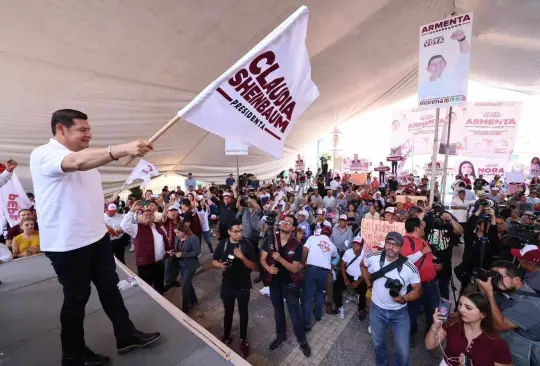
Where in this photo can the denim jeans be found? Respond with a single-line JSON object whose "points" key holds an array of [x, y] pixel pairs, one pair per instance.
{"points": [[206, 236], [379, 319], [430, 299], [315, 277], [188, 291], [444, 287], [291, 293]]}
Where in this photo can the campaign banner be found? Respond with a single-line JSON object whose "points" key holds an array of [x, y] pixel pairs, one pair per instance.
{"points": [[13, 198], [260, 98], [489, 168], [234, 146], [443, 62], [358, 178], [439, 168], [374, 231], [355, 164], [413, 131], [484, 129], [299, 164]]}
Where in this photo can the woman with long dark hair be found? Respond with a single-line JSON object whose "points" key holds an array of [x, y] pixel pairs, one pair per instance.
{"points": [[187, 250], [467, 168], [535, 166], [469, 334]]}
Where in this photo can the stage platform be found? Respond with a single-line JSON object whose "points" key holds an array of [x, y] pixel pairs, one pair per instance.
{"points": [[30, 302]]}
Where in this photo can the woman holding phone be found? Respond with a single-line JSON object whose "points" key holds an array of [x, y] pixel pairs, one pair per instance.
{"points": [[187, 249], [470, 336]]}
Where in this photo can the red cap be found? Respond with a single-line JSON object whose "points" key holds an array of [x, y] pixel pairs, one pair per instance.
{"points": [[326, 230], [530, 253]]}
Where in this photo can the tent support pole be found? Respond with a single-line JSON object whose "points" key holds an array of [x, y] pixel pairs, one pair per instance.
{"points": [[238, 172], [445, 167], [434, 157]]}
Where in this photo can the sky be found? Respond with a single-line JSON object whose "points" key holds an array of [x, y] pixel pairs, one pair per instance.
{"points": [[374, 142]]}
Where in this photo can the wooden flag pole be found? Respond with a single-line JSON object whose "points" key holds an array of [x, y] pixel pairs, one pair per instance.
{"points": [[158, 134]]}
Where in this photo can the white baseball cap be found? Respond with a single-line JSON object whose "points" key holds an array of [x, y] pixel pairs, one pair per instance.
{"points": [[226, 194], [392, 210], [343, 217], [111, 207], [358, 239], [302, 212]]}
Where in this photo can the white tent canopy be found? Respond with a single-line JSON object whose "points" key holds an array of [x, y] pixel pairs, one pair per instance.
{"points": [[132, 65]]}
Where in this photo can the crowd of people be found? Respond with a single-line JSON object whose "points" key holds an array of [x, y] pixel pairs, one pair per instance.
{"points": [[302, 233]]}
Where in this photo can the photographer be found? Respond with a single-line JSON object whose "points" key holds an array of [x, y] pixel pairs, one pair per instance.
{"points": [[418, 252], [236, 258], [388, 274], [442, 232], [529, 260], [481, 239], [250, 213], [516, 314], [281, 258]]}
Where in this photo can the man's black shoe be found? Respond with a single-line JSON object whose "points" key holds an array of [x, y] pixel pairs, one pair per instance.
{"points": [[137, 340], [307, 329], [277, 342], [306, 350], [89, 359]]}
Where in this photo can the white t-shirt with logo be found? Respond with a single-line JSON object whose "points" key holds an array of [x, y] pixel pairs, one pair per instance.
{"points": [[460, 215], [69, 205], [114, 222], [321, 251], [354, 268], [381, 295]]}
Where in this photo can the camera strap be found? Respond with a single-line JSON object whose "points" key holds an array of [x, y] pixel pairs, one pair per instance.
{"points": [[224, 256], [398, 263], [352, 261], [413, 246]]}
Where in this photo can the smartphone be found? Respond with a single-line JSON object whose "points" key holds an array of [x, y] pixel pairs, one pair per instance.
{"points": [[444, 309], [467, 361]]}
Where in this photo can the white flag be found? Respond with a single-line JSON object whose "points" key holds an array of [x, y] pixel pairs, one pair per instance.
{"points": [[262, 95], [235, 146], [13, 198], [145, 171]]}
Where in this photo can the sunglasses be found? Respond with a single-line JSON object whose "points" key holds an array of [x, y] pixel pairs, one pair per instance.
{"points": [[285, 222]]}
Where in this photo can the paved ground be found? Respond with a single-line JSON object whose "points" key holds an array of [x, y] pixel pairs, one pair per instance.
{"points": [[332, 340]]}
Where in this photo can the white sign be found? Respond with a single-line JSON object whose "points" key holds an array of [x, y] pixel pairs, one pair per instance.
{"points": [[484, 129], [473, 167], [145, 171], [260, 98], [235, 147], [443, 63], [13, 198]]}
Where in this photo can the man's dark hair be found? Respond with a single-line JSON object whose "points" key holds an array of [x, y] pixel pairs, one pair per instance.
{"points": [[25, 209], [65, 118], [435, 57], [235, 222], [512, 270], [461, 191], [415, 210], [412, 223], [295, 221]]}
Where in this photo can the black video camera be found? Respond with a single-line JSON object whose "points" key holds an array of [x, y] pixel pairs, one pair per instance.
{"points": [[394, 286], [270, 217], [483, 275], [526, 234]]}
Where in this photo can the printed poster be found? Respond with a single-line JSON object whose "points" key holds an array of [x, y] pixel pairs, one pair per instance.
{"points": [[443, 63]]}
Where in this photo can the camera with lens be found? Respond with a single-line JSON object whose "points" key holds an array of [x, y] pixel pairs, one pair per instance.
{"points": [[394, 286], [270, 217], [483, 275], [437, 213], [485, 204], [526, 234]]}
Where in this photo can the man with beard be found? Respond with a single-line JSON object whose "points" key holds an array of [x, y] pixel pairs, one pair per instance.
{"points": [[389, 297], [516, 314], [282, 260], [442, 231]]}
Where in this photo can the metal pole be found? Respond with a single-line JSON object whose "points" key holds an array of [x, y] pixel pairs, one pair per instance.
{"points": [[445, 166], [318, 154], [238, 173], [412, 156], [434, 157]]}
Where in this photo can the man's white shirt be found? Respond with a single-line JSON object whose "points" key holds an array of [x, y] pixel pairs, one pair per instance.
{"points": [[329, 202], [334, 184], [130, 227], [321, 251], [449, 83], [380, 294], [460, 215], [5, 176], [354, 268], [114, 222], [69, 205]]}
